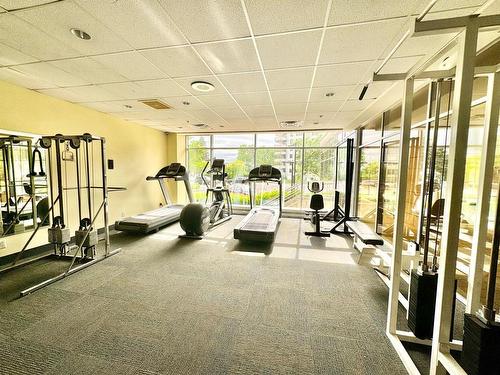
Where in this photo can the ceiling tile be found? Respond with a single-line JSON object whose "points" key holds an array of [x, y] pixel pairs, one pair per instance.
{"points": [[454, 4], [289, 78], [144, 89], [89, 70], [217, 100], [31, 41], [323, 107], [290, 96], [230, 113], [50, 73], [401, 64], [359, 42], [356, 105], [343, 74], [353, 11], [91, 93], [60, 93], [177, 61], [186, 84], [59, 18], [259, 110], [16, 4], [11, 56], [344, 119], [143, 24], [318, 94], [131, 65], [253, 98], [117, 106], [80, 94], [290, 111], [230, 57], [375, 89], [20, 79], [422, 45], [290, 50], [208, 20], [450, 13], [243, 82], [269, 17], [178, 103]]}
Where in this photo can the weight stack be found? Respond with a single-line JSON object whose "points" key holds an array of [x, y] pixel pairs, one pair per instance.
{"points": [[481, 347], [422, 303]]}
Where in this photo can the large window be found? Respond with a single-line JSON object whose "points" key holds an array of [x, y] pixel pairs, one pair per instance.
{"points": [[302, 157]]}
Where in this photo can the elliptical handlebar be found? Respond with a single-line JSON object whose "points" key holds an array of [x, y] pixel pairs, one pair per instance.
{"points": [[314, 187]]}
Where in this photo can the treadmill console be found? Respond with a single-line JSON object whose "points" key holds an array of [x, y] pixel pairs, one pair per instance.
{"points": [[265, 171], [173, 169]]}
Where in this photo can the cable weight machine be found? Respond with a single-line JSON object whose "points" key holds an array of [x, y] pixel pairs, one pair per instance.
{"points": [[83, 251]]}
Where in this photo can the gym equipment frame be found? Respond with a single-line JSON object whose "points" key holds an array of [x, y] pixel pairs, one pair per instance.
{"points": [[59, 235], [466, 41], [14, 212]]}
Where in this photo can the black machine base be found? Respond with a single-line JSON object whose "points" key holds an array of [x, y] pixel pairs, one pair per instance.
{"points": [[422, 303], [481, 345]]}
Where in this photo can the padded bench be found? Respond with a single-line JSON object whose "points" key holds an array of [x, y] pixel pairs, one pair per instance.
{"points": [[364, 233], [365, 241]]}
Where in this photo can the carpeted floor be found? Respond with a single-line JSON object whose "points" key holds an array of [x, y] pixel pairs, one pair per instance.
{"points": [[175, 306]]}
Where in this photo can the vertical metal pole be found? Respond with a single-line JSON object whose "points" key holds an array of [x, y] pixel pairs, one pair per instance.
{"points": [[32, 182], [432, 169], [78, 186], [87, 167], [423, 187], [484, 193], [50, 180], [105, 195], [59, 179], [355, 184], [462, 97], [379, 176], [13, 169], [397, 254]]}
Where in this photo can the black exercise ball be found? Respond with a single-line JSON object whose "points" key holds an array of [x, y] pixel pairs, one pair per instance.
{"points": [[195, 219]]}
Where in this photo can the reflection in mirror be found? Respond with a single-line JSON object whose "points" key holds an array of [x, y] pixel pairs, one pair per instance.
{"points": [[23, 184]]}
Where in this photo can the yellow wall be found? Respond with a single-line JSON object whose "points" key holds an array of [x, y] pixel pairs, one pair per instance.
{"points": [[137, 151]]}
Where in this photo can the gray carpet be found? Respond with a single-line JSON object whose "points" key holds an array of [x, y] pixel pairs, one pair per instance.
{"points": [[175, 306]]}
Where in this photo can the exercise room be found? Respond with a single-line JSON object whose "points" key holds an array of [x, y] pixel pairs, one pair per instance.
{"points": [[249, 187]]}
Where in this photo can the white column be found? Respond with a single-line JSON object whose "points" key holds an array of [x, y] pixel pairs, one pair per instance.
{"points": [[462, 96], [484, 193], [397, 254]]}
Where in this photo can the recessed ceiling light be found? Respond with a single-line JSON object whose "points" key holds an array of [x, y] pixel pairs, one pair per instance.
{"points": [[329, 94], [202, 86], [186, 103], [80, 34]]}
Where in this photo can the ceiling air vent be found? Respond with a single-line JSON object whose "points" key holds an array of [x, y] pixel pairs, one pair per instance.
{"points": [[291, 124], [200, 126], [155, 104]]}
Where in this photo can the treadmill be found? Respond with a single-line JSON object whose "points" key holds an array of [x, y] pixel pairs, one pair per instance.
{"points": [[152, 221], [261, 223]]}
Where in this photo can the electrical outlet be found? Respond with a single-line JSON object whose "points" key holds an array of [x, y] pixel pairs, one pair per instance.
{"points": [[3, 243]]}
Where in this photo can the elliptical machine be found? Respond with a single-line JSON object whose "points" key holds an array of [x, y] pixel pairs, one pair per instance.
{"points": [[316, 204], [196, 218]]}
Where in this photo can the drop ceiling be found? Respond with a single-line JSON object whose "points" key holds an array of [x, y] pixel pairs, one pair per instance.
{"points": [[269, 61]]}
